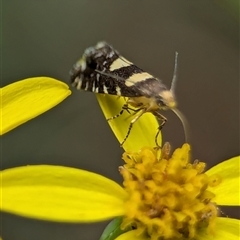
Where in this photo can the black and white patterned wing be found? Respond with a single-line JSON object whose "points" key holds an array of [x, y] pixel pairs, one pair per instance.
{"points": [[103, 70]]}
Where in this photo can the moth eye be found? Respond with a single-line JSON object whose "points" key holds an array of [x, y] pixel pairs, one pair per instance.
{"points": [[160, 102]]}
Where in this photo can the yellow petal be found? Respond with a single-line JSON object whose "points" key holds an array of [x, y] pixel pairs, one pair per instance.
{"points": [[131, 235], [26, 99], [59, 193], [227, 192], [225, 229], [143, 132]]}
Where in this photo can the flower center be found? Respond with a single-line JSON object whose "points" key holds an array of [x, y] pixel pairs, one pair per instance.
{"points": [[168, 196]]}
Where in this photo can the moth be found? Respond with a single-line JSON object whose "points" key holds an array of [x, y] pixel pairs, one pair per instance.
{"points": [[103, 70]]}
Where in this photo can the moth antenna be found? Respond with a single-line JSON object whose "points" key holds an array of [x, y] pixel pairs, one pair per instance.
{"points": [[174, 80], [184, 123]]}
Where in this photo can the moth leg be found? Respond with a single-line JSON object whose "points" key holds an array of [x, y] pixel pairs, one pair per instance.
{"points": [[131, 125], [125, 107], [163, 120], [132, 109]]}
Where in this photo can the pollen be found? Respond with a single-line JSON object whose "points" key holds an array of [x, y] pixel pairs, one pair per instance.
{"points": [[168, 196]]}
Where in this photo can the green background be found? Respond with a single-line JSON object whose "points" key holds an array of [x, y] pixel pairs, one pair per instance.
{"points": [[46, 37]]}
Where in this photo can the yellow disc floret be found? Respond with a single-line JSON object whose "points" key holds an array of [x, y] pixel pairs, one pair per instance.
{"points": [[168, 195]]}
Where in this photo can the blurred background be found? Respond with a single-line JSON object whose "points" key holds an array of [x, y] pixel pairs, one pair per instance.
{"points": [[45, 38]]}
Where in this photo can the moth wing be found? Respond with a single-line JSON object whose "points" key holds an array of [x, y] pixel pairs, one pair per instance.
{"points": [[103, 70]]}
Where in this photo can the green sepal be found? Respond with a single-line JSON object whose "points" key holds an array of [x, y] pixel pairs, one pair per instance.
{"points": [[113, 230]]}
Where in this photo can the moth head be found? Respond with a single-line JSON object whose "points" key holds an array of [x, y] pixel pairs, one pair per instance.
{"points": [[168, 99]]}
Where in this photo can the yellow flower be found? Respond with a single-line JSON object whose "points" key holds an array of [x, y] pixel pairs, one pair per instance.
{"points": [[26, 99], [163, 196]]}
